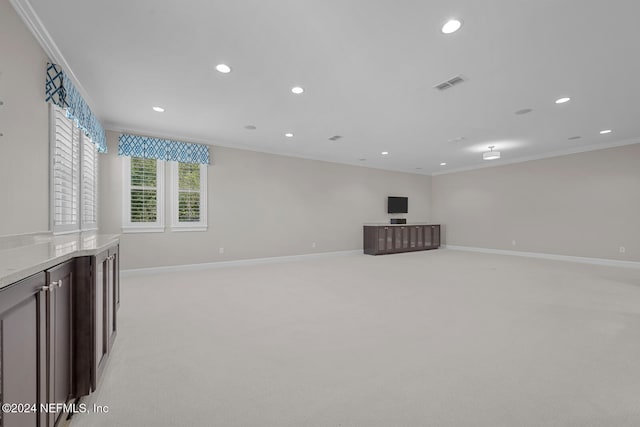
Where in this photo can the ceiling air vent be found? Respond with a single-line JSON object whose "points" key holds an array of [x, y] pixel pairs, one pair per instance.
{"points": [[450, 83], [335, 138]]}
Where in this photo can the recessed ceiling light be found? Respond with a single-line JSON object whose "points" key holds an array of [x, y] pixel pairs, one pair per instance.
{"points": [[491, 155], [363, 160], [443, 164], [288, 135], [384, 153], [223, 68], [418, 169], [158, 109], [602, 132], [523, 111], [297, 90], [562, 100], [451, 26], [572, 138], [250, 127]]}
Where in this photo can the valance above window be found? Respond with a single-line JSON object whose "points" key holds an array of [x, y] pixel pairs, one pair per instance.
{"points": [[61, 91], [162, 149]]}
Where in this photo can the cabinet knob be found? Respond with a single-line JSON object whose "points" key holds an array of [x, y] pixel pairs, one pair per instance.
{"points": [[53, 285]]}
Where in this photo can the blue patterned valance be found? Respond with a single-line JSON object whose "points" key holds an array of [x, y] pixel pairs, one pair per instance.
{"points": [[162, 149], [61, 91]]}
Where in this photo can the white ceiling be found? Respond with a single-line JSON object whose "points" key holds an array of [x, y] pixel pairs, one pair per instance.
{"points": [[368, 69]]}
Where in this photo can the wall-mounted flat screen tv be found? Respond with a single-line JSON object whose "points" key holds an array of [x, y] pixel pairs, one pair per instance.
{"points": [[397, 204]]}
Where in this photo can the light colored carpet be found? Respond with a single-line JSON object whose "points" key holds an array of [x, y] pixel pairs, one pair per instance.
{"points": [[436, 338]]}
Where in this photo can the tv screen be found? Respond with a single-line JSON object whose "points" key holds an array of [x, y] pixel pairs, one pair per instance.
{"points": [[398, 204]]}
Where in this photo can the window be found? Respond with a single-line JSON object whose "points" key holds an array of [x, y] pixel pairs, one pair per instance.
{"points": [[143, 195], [188, 196], [74, 176], [143, 206], [89, 189]]}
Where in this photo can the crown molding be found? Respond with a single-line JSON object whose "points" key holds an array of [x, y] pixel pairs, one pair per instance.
{"points": [[31, 19], [576, 150]]}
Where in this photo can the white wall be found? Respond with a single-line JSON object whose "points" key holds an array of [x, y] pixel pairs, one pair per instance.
{"points": [[24, 123], [263, 205], [585, 204]]}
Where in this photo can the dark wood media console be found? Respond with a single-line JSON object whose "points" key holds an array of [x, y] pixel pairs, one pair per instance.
{"points": [[391, 239]]}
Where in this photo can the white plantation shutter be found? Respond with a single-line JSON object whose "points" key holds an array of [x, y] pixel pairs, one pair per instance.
{"points": [[89, 184], [143, 194], [65, 173], [144, 190], [74, 176], [189, 196], [188, 192]]}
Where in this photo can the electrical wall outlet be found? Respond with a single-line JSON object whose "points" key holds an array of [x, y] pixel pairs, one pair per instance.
{"points": [[622, 249], [221, 250]]}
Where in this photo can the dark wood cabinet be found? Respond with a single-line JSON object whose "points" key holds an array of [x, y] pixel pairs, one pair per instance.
{"points": [[387, 239], [114, 292], [61, 284], [23, 349], [435, 236], [37, 345], [401, 238], [106, 284], [57, 329]]}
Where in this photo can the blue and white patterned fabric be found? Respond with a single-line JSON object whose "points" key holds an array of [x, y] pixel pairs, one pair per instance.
{"points": [[62, 92], [162, 149]]}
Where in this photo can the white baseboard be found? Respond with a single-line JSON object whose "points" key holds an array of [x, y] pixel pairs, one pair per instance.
{"points": [[583, 260], [272, 260], [235, 263]]}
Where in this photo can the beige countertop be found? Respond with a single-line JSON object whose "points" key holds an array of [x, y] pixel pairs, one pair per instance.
{"points": [[22, 256]]}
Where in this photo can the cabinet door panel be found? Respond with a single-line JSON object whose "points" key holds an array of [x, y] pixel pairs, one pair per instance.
{"points": [[61, 280], [389, 233], [419, 236], [405, 237], [112, 295], [82, 321], [436, 236], [115, 252], [101, 313], [382, 239], [23, 333], [427, 236], [397, 234], [413, 237]]}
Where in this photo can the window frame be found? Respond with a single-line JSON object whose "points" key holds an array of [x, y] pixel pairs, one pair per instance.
{"points": [[142, 227], [88, 225], [176, 225], [78, 139]]}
